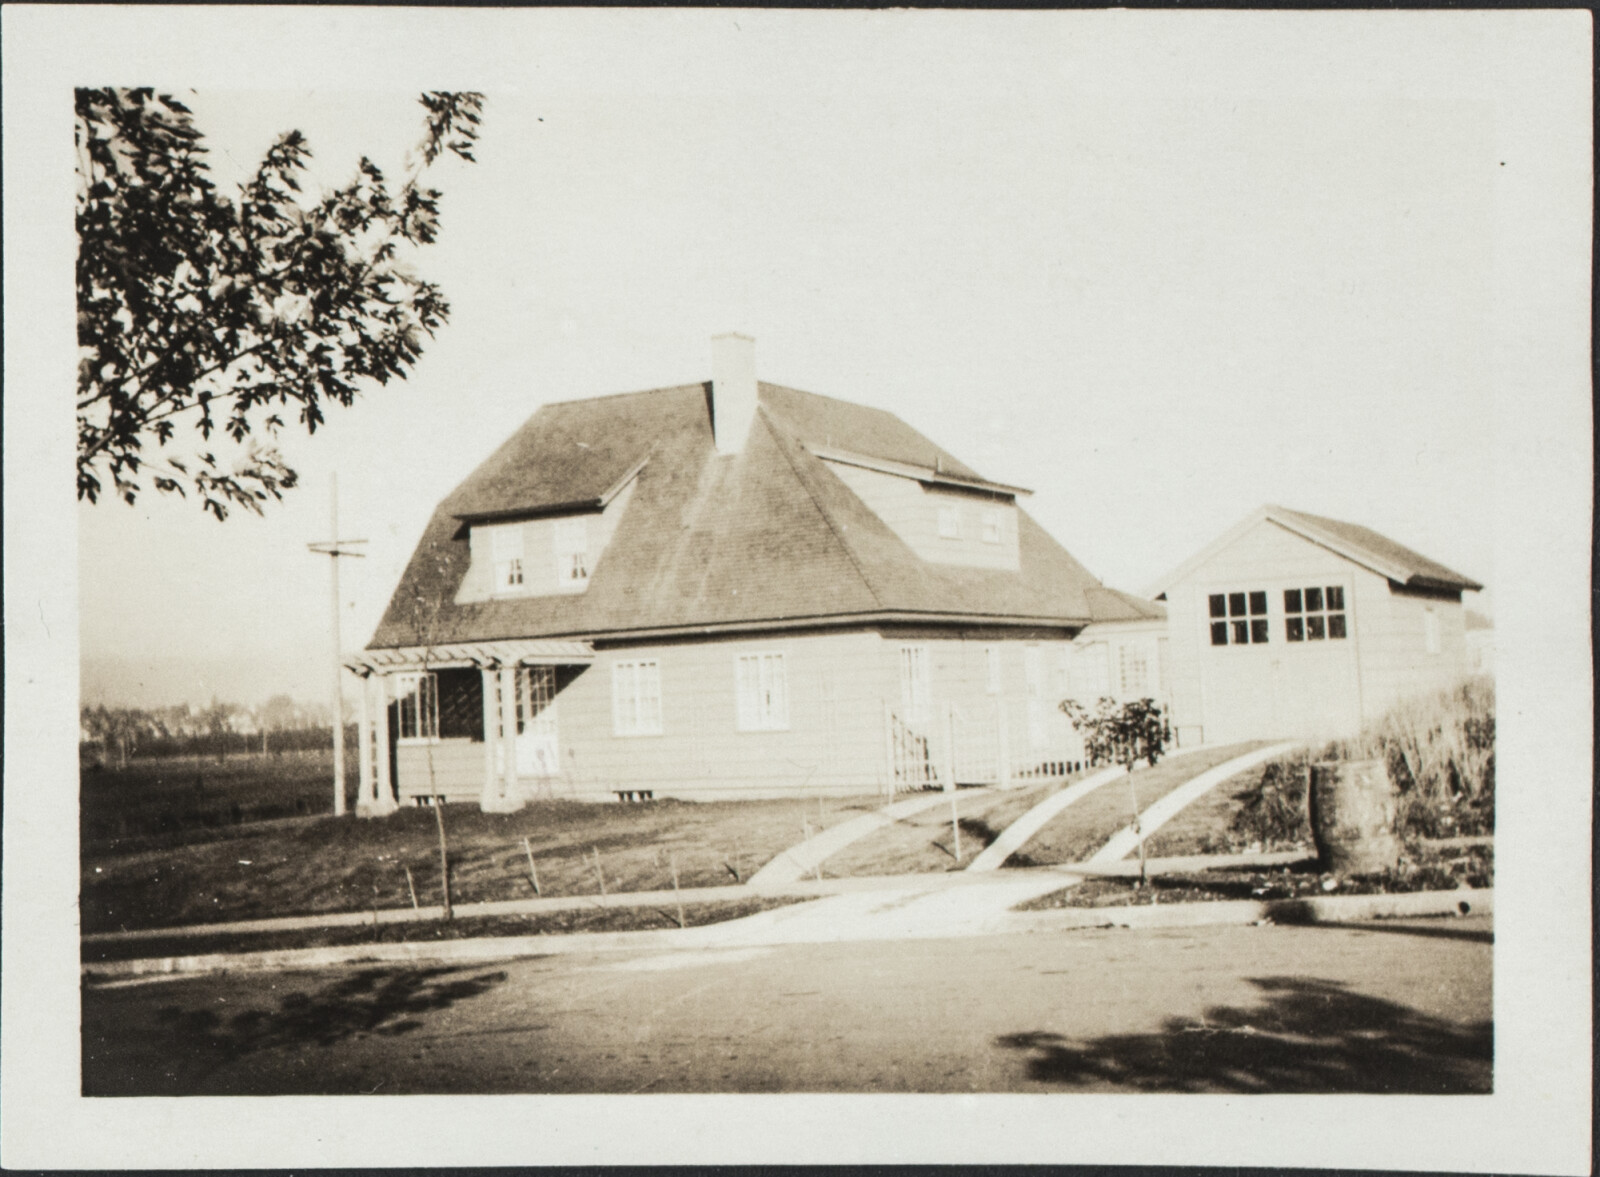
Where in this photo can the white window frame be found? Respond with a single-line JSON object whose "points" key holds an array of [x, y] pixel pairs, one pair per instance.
{"points": [[1241, 622], [761, 689], [1133, 671], [991, 656], [916, 684], [993, 528], [636, 697], [570, 537], [507, 557], [417, 694], [949, 521]]}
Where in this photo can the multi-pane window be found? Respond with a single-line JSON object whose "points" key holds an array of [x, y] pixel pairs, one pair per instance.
{"points": [[950, 522], [506, 546], [763, 692], [1238, 619], [636, 698], [991, 526], [572, 553], [1314, 614], [417, 706], [1135, 672], [915, 693]]}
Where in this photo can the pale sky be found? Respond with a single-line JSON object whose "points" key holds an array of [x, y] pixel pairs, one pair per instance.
{"points": [[1159, 273]]}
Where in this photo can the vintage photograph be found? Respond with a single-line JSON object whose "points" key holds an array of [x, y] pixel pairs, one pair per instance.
{"points": [[796, 554]]}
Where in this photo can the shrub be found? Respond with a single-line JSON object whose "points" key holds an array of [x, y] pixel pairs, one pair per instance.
{"points": [[1439, 750], [1273, 811]]}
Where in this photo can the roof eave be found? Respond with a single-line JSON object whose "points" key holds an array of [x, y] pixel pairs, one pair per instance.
{"points": [[924, 474]]}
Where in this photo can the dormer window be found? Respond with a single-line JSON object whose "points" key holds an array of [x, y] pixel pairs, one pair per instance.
{"points": [[572, 554], [991, 526], [506, 544], [949, 522]]}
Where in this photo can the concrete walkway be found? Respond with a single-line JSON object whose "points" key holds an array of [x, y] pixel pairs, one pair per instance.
{"points": [[1030, 823], [802, 858], [1125, 841], [1016, 835]]}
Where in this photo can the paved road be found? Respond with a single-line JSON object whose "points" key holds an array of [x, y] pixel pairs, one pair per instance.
{"points": [[1393, 1006]]}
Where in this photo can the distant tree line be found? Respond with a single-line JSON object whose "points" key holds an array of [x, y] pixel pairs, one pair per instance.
{"points": [[113, 735]]}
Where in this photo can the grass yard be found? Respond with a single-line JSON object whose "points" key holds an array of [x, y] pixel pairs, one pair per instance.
{"points": [[922, 843], [168, 801], [1083, 827], [554, 923], [352, 864]]}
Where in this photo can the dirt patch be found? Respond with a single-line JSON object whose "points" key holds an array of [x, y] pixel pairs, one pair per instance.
{"points": [[1423, 869], [555, 923]]}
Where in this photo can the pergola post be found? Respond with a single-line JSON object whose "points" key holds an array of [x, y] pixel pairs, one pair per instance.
{"points": [[364, 785], [508, 726], [382, 799], [489, 799]]}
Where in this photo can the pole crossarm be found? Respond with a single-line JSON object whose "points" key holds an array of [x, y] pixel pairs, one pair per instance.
{"points": [[336, 547]]}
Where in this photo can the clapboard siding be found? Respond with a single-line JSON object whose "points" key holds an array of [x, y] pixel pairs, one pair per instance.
{"points": [[840, 686], [912, 512], [457, 769], [1307, 690]]}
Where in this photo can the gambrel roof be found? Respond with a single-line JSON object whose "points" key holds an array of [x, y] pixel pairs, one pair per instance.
{"points": [[769, 536], [1361, 545]]}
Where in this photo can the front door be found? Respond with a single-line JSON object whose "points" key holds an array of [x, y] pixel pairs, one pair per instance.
{"points": [[538, 750]]}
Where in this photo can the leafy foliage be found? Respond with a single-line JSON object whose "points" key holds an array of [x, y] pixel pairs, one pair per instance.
{"points": [[224, 316], [1123, 733], [1440, 753], [1273, 812]]}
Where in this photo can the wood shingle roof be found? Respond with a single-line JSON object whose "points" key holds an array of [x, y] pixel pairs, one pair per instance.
{"points": [[766, 536]]}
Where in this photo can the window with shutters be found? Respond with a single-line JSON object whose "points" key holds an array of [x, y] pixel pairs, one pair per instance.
{"points": [[636, 698], [1314, 614], [762, 687], [1239, 618]]}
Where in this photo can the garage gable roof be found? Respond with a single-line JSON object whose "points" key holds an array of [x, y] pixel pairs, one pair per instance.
{"points": [[1360, 545]]}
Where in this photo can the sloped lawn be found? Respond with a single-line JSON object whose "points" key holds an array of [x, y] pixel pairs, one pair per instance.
{"points": [[923, 843], [353, 864], [1083, 827]]}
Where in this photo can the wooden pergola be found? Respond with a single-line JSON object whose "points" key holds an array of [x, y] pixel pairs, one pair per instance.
{"points": [[498, 662]]}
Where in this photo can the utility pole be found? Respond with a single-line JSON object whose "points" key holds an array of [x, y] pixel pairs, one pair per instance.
{"points": [[335, 548]]}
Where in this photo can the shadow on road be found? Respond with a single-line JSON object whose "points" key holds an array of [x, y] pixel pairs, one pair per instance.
{"points": [[377, 1001], [1308, 1035]]}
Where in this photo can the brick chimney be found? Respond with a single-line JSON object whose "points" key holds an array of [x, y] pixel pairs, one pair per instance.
{"points": [[733, 390]]}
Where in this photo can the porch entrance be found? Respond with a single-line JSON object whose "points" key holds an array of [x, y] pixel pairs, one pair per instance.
{"points": [[538, 746]]}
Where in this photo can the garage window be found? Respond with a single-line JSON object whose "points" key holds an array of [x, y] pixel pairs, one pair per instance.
{"points": [[1239, 618], [1314, 614]]}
